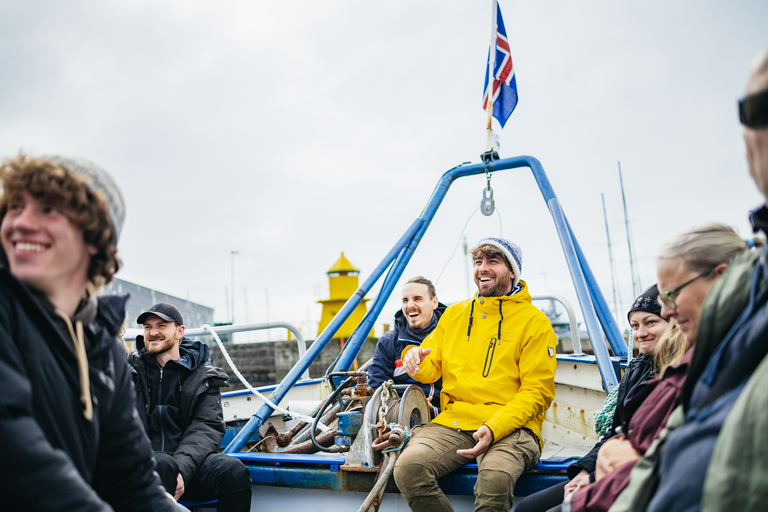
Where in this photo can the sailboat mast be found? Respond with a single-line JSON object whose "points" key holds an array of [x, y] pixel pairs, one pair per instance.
{"points": [[635, 279], [610, 259]]}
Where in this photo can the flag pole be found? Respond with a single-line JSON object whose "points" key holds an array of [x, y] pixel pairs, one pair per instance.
{"points": [[491, 78]]}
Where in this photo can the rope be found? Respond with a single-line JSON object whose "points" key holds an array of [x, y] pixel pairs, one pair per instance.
{"points": [[406, 437], [373, 499], [302, 417], [604, 417], [437, 281]]}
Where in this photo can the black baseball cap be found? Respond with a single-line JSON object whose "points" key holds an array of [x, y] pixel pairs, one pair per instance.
{"points": [[167, 312]]}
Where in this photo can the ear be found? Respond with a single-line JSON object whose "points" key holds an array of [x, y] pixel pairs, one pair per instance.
{"points": [[180, 332], [91, 250], [434, 303], [720, 269]]}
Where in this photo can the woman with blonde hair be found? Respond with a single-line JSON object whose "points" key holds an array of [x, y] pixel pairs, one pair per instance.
{"points": [[671, 349]]}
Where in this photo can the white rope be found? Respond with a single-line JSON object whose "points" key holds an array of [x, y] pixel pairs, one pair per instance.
{"points": [[307, 419], [496, 210]]}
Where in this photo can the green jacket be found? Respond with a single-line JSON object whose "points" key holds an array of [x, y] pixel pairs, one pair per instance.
{"points": [[737, 478]]}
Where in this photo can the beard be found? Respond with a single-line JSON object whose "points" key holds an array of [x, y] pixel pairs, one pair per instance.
{"points": [[163, 346], [498, 286]]}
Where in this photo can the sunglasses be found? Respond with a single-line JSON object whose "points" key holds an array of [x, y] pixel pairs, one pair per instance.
{"points": [[753, 110], [668, 298]]}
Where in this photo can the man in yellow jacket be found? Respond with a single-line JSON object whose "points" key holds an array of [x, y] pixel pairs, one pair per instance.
{"points": [[496, 355]]}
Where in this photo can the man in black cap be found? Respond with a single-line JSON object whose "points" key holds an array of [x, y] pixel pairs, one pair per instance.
{"points": [[179, 401]]}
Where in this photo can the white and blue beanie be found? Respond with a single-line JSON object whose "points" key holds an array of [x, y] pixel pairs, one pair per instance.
{"points": [[510, 250]]}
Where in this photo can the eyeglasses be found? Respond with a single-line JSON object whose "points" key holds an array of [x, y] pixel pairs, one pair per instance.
{"points": [[753, 110], [668, 298]]}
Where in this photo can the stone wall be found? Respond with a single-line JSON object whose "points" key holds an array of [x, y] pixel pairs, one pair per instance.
{"points": [[267, 363]]}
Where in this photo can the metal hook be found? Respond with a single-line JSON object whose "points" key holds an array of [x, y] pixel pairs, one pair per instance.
{"points": [[487, 204]]}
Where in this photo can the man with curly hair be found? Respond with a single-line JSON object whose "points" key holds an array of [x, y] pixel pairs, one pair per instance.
{"points": [[67, 413]]}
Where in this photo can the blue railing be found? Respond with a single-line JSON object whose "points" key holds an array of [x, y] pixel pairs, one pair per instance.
{"points": [[594, 307]]}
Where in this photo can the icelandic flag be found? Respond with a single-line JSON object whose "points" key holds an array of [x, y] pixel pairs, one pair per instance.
{"points": [[504, 83]]}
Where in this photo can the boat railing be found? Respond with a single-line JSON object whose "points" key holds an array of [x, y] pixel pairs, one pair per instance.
{"points": [[130, 335], [575, 338], [594, 308]]}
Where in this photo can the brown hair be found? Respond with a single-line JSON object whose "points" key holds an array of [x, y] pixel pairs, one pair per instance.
{"points": [[46, 181], [671, 347], [426, 282], [489, 251]]}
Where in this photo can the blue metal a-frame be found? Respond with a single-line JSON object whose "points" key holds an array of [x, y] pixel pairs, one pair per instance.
{"points": [[597, 316]]}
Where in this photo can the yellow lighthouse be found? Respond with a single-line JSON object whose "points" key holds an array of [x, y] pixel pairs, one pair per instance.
{"points": [[343, 283]]}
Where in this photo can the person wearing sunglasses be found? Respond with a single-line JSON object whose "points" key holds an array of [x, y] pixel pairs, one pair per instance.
{"points": [[713, 454], [739, 458]]}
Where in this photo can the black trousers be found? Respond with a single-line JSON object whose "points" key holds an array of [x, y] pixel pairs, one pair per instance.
{"points": [[544, 500], [220, 477]]}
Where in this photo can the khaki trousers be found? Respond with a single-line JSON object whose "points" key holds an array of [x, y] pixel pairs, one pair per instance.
{"points": [[431, 453]]}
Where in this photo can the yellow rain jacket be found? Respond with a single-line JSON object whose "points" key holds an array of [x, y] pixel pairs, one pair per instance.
{"points": [[505, 382]]}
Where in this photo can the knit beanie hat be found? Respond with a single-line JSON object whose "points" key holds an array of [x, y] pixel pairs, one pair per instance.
{"points": [[99, 182], [510, 250], [647, 302]]}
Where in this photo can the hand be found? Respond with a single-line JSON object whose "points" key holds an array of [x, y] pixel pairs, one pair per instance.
{"points": [[413, 358], [179, 487], [484, 437], [615, 452], [579, 481]]}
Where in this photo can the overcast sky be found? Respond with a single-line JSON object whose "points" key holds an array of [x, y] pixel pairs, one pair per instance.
{"points": [[292, 131]]}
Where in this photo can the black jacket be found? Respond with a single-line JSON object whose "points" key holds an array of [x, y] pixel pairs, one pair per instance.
{"points": [[639, 372], [195, 428], [53, 457], [386, 362]]}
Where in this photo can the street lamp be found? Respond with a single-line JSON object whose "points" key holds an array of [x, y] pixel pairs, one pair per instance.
{"points": [[232, 290]]}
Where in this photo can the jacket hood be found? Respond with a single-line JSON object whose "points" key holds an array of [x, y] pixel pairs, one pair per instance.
{"points": [[194, 353], [402, 323]]}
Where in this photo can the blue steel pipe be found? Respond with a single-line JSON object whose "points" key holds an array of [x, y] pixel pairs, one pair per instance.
{"points": [[359, 337], [599, 312], [293, 376], [610, 327], [427, 214], [587, 310], [410, 240], [564, 231], [356, 341]]}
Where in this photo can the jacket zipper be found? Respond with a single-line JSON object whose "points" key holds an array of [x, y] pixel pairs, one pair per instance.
{"points": [[489, 357], [162, 430]]}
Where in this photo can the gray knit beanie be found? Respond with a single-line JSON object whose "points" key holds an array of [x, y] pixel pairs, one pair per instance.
{"points": [[98, 181]]}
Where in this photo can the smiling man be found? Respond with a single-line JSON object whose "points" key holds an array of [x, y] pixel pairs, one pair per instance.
{"points": [[413, 322], [69, 433], [179, 401], [496, 356]]}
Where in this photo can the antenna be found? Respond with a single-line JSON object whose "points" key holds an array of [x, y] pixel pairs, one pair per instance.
{"points": [[610, 259], [636, 287]]}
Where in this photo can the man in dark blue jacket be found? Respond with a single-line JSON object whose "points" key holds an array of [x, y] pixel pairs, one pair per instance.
{"points": [[417, 318], [179, 401]]}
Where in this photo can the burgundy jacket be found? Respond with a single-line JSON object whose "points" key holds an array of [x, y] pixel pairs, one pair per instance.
{"points": [[643, 418]]}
